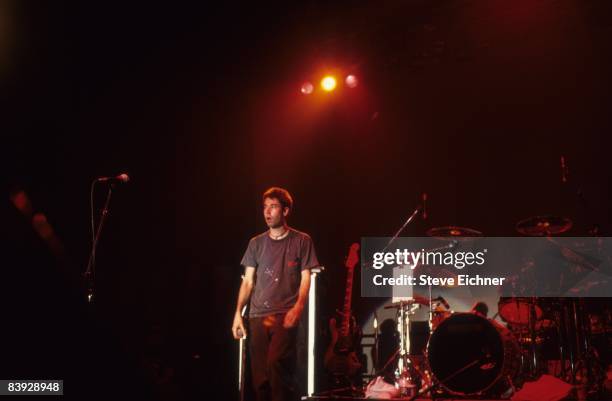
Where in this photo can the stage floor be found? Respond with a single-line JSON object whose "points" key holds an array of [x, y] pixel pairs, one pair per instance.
{"points": [[326, 398]]}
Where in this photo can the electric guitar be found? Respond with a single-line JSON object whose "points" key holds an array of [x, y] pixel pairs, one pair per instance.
{"points": [[341, 358]]}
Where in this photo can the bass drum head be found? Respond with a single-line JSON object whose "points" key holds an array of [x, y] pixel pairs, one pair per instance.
{"points": [[461, 340]]}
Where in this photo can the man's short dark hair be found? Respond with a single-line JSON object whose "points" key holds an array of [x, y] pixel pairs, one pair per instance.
{"points": [[283, 196]]}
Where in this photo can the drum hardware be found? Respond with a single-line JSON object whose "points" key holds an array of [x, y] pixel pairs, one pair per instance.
{"points": [[585, 365], [439, 311], [455, 232], [437, 383], [489, 372], [535, 368], [541, 226], [599, 323], [391, 324], [524, 313], [532, 323], [577, 360], [579, 262], [517, 310], [522, 333], [586, 287], [471, 355], [405, 373], [489, 365], [586, 370]]}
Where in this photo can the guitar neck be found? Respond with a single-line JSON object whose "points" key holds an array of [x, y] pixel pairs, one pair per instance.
{"points": [[346, 310], [351, 261]]}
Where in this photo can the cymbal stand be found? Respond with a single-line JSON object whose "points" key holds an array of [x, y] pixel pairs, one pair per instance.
{"points": [[90, 272], [587, 373], [404, 373], [534, 362]]}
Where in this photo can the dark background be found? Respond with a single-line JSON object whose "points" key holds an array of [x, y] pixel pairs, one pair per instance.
{"points": [[472, 102]]}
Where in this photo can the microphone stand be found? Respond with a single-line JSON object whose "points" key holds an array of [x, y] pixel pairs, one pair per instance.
{"points": [[416, 211], [89, 274], [412, 216]]}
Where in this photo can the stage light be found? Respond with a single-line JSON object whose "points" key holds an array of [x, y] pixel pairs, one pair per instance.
{"points": [[328, 83], [351, 81], [307, 88]]}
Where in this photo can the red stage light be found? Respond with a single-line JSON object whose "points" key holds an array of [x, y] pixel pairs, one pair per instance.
{"points": [[351, 81], [307, 88]]}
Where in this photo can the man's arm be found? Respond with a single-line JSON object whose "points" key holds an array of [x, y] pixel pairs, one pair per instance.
{"points": [[293, 315], [243, 297]]}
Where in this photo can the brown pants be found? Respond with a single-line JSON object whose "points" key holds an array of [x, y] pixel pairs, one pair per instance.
{"points": [[273, 357]]}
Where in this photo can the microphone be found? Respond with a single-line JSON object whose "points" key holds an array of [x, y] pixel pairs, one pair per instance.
{"points": [[121, 178], [564, 170], [424, 198]]}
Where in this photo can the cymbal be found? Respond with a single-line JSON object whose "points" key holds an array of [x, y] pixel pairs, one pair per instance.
{"points": [[581, 258], [436, 272], [586, 287], [453, 231], [538, 226]]}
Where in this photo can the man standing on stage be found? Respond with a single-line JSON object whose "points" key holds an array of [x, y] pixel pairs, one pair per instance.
{"points": [[277, 272]]}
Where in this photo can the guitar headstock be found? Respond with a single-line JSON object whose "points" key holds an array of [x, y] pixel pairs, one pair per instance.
{"points": [[353, 256]]}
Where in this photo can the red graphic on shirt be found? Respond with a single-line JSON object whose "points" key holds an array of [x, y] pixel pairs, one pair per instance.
{"points": [[292, 263]]}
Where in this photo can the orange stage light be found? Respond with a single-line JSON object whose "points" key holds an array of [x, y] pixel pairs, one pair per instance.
{"points": [[328, 83]]}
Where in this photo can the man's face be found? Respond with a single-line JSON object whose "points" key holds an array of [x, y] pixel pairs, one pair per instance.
{"points": [[274, 213]]}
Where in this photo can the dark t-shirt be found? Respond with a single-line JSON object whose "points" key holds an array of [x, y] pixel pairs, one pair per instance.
{"points": [[279, 265]]}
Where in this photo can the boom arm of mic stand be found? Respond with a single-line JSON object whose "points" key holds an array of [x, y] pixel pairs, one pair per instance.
{"points": [[412, 216]]}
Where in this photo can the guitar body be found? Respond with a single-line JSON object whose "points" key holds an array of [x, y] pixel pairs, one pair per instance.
{"points": [[341, 355]]}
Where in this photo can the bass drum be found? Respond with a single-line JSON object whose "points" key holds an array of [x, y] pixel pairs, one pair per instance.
{"points": [[469, 354]]}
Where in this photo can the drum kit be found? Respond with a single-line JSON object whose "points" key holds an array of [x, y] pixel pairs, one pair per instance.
{"points": [[470, 355]]}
